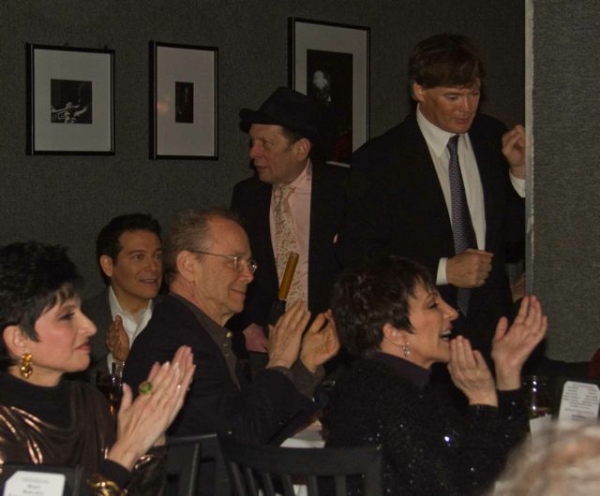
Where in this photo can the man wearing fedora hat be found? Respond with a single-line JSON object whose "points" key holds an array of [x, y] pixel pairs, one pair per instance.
{"points": [[283, 133]]}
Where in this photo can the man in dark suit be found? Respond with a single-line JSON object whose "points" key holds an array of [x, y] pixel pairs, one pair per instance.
{"points": [[208, 268], [129, 253], [401, 194], [283, 133]]}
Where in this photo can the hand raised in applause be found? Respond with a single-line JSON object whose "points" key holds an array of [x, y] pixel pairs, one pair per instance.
{"points": [[512, 346], [286, 335], [469, 269], [513, 148], [255, 339], [117, 340], [470, 373], [142, 423], [320, 342]]}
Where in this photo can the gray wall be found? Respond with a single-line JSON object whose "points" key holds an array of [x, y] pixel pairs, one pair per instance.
{"points": [[563, 105], [66, 199]]}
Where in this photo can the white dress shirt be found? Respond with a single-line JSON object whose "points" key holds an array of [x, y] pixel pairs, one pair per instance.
{"points": [[437, 141], [132, 326]]}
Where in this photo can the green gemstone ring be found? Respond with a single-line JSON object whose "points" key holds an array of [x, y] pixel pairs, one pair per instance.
{"points": [[145, 387]]}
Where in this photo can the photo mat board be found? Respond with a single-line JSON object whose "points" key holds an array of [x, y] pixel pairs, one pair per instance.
{"points": [[183, 106], [70, 100], [330, 63]]}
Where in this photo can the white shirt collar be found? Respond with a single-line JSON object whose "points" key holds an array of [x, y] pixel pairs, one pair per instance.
{"points": [[436, 138], [115, 306]]}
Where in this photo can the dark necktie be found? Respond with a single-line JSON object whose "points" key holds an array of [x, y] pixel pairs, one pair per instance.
{"points": [[462, 227]]}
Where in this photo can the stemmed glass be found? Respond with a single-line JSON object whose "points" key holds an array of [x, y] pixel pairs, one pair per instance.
{"points": [[111, 385]]}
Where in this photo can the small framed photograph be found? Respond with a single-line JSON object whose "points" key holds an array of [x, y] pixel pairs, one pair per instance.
{"points": [[183, 106], [330, 63], [70, 100]]}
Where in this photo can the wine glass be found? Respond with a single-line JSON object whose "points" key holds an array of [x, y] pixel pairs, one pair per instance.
{"points": [[111, 385]]}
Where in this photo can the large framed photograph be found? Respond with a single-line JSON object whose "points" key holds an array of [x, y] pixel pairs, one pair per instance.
{"points": [[330, 63], [183, 101], [70, 100]]}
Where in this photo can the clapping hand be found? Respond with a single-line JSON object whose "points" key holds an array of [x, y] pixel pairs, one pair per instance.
{"points": [[470, 373], [512, 346], [142, 423], [117, 340], [286, 335], [320, 343], [255, 339]]}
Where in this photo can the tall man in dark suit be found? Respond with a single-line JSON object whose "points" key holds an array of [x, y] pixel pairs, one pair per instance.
{"points": [[129, 253], [283, 132], [402, 191]]}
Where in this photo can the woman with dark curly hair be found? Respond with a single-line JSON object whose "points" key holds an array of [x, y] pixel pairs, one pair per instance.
{"points": [[435, 442], [47, 420]]}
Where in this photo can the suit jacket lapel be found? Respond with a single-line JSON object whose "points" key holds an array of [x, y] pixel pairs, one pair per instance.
{"points": [[263, 231], [485, 163], [425, 178]]}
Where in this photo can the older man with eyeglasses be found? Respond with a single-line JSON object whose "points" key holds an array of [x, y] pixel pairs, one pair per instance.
{"points": [[208, 267]]}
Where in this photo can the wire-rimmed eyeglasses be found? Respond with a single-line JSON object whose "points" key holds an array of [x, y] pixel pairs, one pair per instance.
{"points": [[238, 262]]}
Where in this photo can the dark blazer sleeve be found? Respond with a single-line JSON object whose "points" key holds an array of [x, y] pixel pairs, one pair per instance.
{"points": [[326, 215], [505, 209], [97, 309], [394, 201], [251, 200], [256, 412]]}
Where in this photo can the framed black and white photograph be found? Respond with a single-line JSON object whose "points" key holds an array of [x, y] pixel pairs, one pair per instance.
{"points": [[70, 100], [330, 63], [183, 101]]}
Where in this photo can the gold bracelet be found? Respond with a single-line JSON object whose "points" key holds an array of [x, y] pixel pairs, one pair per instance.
{"points": [[104, 487]]}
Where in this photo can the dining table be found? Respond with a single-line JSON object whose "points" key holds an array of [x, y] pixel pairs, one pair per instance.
{"points": [[311, 436]]}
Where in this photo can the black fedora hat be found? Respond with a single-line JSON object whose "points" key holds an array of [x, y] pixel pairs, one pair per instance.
{"points": [[287, 108]]}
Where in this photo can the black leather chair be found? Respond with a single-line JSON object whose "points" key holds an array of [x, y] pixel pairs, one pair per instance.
{"points": [[193, 463], [324, 471]]}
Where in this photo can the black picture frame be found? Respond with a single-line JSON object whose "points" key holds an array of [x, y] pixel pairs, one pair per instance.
{"points": [[70, 100], [330, 63], [183, 101]]}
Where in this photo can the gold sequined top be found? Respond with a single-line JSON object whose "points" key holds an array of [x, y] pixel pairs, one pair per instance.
{"points": [[66, 425]]}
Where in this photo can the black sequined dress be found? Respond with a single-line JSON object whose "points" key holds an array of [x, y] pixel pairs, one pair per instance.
{"points": [[433, 443]]}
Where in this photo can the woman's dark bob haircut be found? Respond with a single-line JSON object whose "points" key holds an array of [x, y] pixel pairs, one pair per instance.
{"points": [[372, 294], [33, 278]]}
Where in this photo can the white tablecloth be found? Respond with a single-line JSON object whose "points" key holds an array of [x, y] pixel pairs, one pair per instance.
{"points": [[309, 437]]}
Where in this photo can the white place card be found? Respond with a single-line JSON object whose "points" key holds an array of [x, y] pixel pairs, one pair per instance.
{"points": [[28, 483], [579, 401]]}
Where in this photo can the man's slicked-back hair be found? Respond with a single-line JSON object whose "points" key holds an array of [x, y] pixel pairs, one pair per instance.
{"points": [[190, 231], [374, 293], [450, 60], [33, 278], [107, 242]]}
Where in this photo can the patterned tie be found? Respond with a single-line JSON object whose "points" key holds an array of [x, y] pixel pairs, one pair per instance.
{"points": [[462, 227], [285, 241]]}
